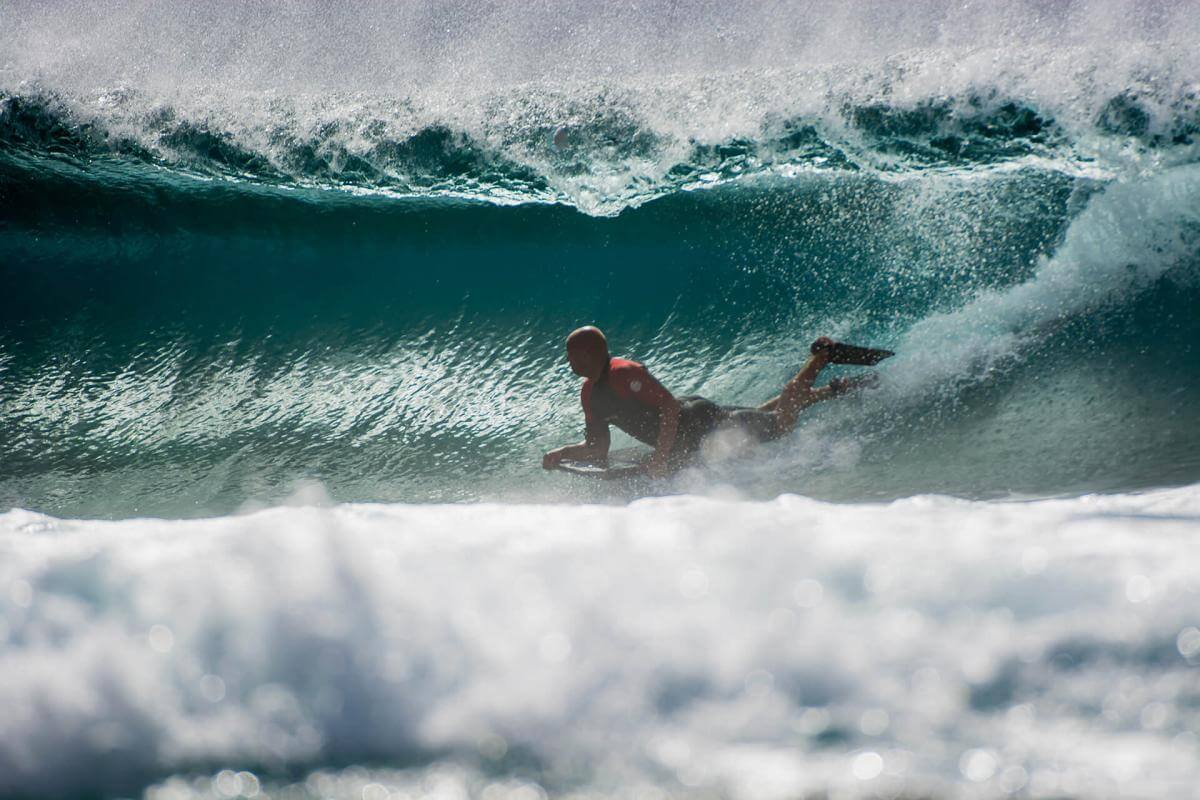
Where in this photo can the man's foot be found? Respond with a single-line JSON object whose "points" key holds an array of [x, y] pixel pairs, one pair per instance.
{"points": [[823, 344], [842, 353]]}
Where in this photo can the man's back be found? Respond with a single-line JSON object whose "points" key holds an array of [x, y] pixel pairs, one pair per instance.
{"points": [[625, 395]]}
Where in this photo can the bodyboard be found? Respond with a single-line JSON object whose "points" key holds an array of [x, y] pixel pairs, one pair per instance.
{"points": [[622, 465]]}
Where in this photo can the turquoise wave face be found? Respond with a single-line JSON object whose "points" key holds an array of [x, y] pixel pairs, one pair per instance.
{"points": [[177, 346]]}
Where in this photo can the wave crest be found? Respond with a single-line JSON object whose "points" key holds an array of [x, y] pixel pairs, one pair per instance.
{"points": [[601, 150]]}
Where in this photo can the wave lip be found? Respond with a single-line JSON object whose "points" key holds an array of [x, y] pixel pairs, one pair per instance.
{"points": [[959, 644], [570, 106], [598, 148]]}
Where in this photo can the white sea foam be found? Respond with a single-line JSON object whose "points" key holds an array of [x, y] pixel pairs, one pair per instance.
{"points": [[686, 645]]}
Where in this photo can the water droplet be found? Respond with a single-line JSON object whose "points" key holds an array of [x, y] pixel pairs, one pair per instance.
{"points": [[978, 765], [1138, 589], [161, 639], [1188, 642], [227, 783], [867, 765]]}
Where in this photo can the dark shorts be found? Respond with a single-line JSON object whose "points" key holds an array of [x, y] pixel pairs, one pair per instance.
{"points": [[699, 417]]}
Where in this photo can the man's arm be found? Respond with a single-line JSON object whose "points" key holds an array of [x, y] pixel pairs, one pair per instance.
{"points": [[594, 449], [668, 427], [640, 383]]}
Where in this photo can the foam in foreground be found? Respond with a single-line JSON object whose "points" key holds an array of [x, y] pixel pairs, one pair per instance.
{"points": [[678, 647]]}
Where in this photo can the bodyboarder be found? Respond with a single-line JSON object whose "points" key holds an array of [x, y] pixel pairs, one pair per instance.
{"points": [[620, 392]]}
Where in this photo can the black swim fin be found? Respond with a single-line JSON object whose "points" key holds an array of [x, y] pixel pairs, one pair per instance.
{"points": [[841, 353]]}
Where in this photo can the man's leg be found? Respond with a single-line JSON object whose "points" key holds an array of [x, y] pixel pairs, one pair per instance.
{"points": [[799, 393]]}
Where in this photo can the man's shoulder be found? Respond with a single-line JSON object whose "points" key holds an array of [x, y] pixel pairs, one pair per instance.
{"points": [[627, 376], [624, 366]]}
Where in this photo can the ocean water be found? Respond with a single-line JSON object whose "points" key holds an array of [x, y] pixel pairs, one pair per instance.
{"points": [[284, 292]]}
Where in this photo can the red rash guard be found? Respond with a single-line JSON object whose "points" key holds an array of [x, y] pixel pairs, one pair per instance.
{"points": [[627, 396]]}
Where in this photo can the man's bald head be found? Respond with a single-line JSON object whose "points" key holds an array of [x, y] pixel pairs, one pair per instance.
{"points": [[588, 338], [587, 352]]}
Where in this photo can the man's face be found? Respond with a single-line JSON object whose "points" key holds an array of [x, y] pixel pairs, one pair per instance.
{"points": [[585, 362]]}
